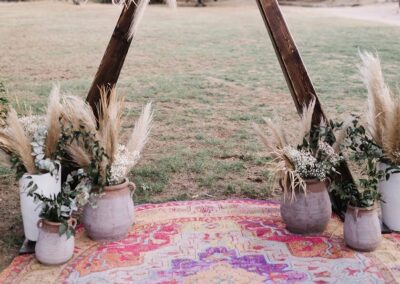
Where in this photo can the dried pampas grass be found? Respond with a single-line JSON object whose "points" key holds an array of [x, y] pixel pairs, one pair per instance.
{"points": [[79, 114], [138, 16], [380, 101], [20, 143], [391, 135], [306, 121], [53, 114], [79, 155], [141, 6], [140, 133], [383, 112], [276, 143], [110, 111]]}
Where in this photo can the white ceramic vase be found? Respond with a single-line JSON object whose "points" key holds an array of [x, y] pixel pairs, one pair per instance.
{"points": [[390, 191], [113, 215], [51, 248], [48, 185]]}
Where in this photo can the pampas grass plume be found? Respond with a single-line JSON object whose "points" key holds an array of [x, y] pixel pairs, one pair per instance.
{"points": [[141, 131]]}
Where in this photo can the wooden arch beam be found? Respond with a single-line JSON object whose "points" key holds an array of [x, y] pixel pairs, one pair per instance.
{"points": [[114, 57], [297, 78]]}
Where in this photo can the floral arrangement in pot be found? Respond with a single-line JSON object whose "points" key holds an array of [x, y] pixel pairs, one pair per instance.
{"points": [[104, 190], [56, 242], [303, 172], [383, 119], [30, 146], [362, 230]]}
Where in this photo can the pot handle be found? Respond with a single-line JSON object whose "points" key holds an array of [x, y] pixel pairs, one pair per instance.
{"points": [[328, 182], [39, 223], [132, 186], [74, 222]]}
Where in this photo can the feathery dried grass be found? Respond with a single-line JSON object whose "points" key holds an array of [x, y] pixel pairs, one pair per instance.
{"points": [[53, 115], [379, 99], [391, 136], [79, 155], [383, 113], [137, 18], [6, 143], [306, 121], [110, 111], [277, 143], [78, 113], [141, 131], [19, 142], [5, 159]]}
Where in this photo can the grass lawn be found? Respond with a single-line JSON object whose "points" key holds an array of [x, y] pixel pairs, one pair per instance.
{"points": [[211, 72]]}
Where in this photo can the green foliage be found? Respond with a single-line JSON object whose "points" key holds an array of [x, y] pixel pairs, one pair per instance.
{"points": [[98, 171], [59, 208], [363, 151]]}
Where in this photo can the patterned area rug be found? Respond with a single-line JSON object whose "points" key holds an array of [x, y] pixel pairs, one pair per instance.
{"points": [[232, 241]]}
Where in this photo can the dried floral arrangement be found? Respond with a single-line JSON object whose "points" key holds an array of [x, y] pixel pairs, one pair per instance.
{"points": [[30, 144], [95, 145], [312, 157], [364, 155], [383, 112]]}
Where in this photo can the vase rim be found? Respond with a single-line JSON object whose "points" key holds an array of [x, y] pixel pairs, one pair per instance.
{"points": [[42, 174], [54, 224], [370, 208], [119, 186]]}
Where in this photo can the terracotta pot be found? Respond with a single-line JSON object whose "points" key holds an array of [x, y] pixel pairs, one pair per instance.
{"points": [[310, 212], [390, 190], [362, 230], [51, 248], [48, 185], [113, 214]]}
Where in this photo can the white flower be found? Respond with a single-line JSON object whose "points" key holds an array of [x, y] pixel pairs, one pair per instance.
{"points": [[123, 161], [32, 123]]}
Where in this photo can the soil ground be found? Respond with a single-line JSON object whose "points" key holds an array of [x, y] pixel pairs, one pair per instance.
{"points": [[211, 73]]}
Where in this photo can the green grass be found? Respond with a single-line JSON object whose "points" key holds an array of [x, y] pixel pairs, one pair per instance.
{"points": [[210, 72]]}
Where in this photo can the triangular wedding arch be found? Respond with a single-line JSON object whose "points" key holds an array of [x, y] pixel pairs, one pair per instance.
{"points": [[297, 78]]}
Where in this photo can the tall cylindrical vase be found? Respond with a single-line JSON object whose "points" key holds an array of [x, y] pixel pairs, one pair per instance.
{"points": [[390, 191], [48, 185]]}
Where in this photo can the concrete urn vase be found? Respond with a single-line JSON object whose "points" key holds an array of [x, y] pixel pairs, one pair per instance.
{"points": [[51, 248], [362, 229], [308, 212], [113, 213]]}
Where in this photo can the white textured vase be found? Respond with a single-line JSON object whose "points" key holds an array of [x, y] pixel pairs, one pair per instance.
{"points": [[51, 248], [48, 185], [390, 191]]}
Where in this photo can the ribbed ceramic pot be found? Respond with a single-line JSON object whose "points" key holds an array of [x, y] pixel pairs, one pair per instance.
{"points": [[51, 248], [390, 191], [362, 230], [310, 212], [113, 215], [47, 185]]}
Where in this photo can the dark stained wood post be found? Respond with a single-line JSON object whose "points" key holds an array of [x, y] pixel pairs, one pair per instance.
{"points": [[114, 56], [300, 85]]}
